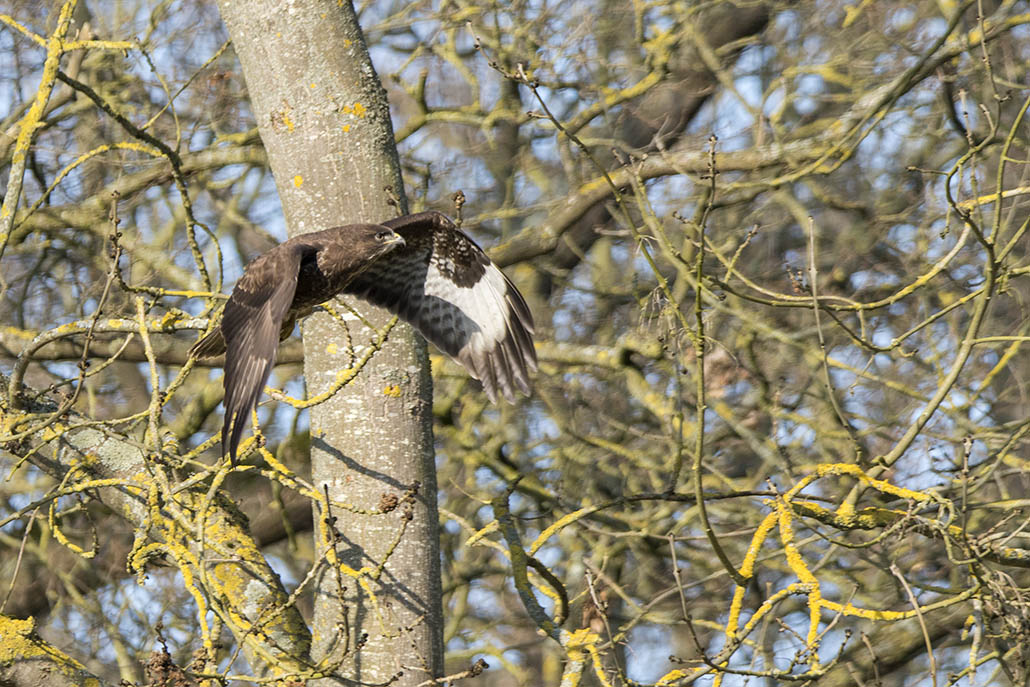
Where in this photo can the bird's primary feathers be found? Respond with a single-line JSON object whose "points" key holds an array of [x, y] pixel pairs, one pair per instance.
{"points": [[420, 267]]}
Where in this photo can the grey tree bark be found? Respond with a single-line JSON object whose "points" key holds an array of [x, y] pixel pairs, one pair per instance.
{"points": [[325, 123]]}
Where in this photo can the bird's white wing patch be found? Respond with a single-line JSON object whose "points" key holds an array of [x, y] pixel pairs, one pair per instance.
{"points": [[444, 285], [480, 321]]}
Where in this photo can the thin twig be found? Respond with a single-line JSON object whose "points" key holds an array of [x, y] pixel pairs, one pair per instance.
{"points": [[922, 623]]}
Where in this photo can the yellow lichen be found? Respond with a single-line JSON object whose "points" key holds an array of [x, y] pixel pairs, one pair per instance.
{"points": [[785, 511], [671, 677], [357, 109], [169, 319], [298, 180], [22, 334], [393, 391], [19, 642]]}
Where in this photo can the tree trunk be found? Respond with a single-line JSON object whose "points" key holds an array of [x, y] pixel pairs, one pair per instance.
{"points": [[324, 120]]}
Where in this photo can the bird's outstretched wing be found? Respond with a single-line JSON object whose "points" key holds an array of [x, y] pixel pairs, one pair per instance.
{"points": [[449, 290], [250, 327]]}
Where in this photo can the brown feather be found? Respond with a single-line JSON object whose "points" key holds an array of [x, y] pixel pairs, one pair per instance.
{"points": [[420, 267]]}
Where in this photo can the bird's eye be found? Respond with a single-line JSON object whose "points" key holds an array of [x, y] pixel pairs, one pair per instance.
{"points": [[384, 235]]}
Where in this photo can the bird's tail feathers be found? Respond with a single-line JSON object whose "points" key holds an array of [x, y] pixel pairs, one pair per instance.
{"points": [[210, 346]]}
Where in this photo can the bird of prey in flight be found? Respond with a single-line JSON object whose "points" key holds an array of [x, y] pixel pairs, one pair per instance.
{"points": [[420, 267]]}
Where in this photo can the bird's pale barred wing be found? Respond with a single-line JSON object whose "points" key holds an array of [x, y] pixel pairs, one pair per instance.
{"points": [[447, 288], [250, 326]]}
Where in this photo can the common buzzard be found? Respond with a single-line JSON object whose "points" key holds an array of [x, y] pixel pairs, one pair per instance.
{"points": [[420, 267]]}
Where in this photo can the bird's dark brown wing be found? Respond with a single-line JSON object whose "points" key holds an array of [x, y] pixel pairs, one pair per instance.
{"points": [[447, 288], [250, 326]]}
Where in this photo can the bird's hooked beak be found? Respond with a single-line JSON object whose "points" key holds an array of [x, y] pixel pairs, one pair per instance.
{"points": [[388, 240]]}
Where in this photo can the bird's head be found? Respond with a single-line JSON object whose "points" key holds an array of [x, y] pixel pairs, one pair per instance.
{"points": [[381, 240], [361, 244]]}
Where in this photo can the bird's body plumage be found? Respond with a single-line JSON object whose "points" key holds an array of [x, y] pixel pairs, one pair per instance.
{"points": [[420, 267]]}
